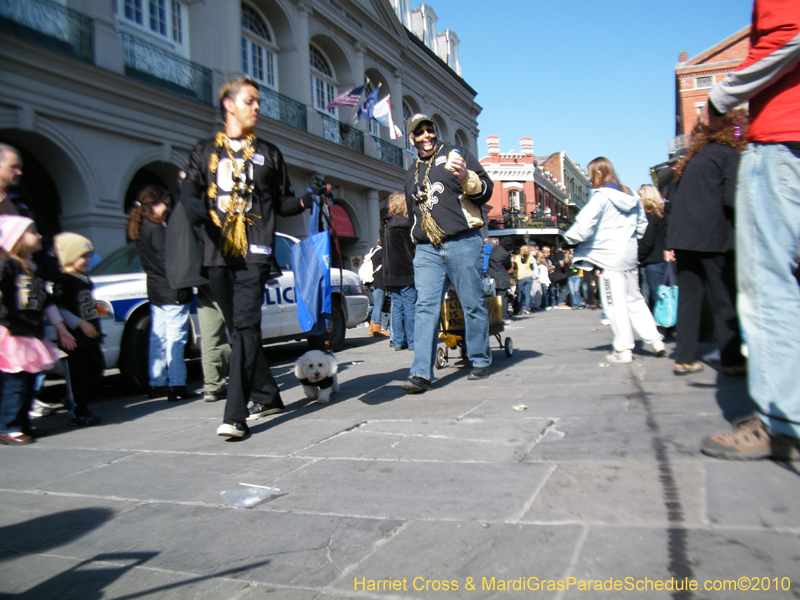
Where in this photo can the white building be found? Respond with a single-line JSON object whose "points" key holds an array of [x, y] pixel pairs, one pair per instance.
{"points": [[102, 97]]}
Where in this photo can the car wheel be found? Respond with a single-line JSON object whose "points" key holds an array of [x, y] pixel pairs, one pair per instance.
{"points": [[336, 331], [441, 359], [134, 359]]}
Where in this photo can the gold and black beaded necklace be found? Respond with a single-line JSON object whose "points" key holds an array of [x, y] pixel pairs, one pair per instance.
{"points": [[234, 234], [435, 233]]}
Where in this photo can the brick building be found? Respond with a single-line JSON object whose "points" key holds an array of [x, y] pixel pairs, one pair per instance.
{"points": [[694, 78], [533, 194]]}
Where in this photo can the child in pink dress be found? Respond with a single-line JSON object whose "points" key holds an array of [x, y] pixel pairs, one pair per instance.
{"points": [[24, 351]]}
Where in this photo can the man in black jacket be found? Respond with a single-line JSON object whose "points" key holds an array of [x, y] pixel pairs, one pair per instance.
{"points": [[445, 188], [235, 186]]}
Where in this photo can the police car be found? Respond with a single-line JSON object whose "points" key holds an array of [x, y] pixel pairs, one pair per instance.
{"points": [[121, 295]]}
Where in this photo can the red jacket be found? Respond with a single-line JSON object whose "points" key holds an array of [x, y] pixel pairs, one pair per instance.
{"points": [[770, 75]]}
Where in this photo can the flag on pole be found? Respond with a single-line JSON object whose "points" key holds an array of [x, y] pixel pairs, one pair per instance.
{"points": [[365, 110], [349, 98], [382, 113]]}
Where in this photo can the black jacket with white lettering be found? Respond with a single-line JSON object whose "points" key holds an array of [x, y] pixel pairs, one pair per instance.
{"points": [[272, 195], [445, 206]]}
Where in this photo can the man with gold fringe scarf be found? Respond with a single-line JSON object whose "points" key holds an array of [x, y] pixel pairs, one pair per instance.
{"points": [[445, 188], [235, 186]]}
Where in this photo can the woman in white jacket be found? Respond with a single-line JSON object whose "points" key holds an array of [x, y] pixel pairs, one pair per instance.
{"points": [[607, 231]]}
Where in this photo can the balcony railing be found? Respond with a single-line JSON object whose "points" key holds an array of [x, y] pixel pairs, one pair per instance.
{"points": [[279, 107], [389, 153], [343, 134], [532, 221], [50, 25], [156, 66]]}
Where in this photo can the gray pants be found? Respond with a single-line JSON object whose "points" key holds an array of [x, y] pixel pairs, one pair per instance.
{"points": [[214, 343]]}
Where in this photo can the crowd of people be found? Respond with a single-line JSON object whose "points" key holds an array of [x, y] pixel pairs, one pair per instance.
{"points": [[724, 220]]}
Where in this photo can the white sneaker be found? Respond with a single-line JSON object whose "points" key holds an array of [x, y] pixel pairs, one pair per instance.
{"points": [[40, 409], [232, 429], [605, 322], [620, 358], [658, 349]]}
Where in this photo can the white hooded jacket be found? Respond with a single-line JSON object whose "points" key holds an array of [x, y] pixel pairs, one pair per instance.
{"points": [[608, 228]]}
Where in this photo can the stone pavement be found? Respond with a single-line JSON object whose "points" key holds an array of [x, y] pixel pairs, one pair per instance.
{"points": [[384, 495]]}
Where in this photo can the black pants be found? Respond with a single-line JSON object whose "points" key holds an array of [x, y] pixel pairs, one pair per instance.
{"points": [[239, 291], [84, 375], [717, 271]]}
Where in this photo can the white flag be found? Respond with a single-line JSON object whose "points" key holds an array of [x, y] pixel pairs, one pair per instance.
{"points": [[382, 113]]}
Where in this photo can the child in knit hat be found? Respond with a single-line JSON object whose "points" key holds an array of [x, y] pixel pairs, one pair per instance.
{"points": [[72, 290], [24, 350]]}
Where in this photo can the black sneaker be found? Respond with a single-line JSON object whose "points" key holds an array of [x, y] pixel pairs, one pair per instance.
{"points": [[157, 392], [179, 392], [261, 410], [35, 432], [232, 429], [215, 396], [416, 385], [479, 373], [84, 420]]}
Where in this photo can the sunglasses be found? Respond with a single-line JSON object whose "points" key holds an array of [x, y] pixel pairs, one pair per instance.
{"points": [[423, 131]]}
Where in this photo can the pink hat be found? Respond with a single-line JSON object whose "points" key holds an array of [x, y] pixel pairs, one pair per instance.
{"points": [[11, 229]]}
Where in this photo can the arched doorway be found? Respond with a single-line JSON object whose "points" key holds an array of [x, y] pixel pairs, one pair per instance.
{"points": [[157, 173]]}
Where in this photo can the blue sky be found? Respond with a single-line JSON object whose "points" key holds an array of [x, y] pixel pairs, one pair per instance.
{"points": [[590, 78]]}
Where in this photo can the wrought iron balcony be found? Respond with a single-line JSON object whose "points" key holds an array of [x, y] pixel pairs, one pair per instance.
{"points": [[389, 153], [279, 107], [343, 134], [50, 25], [151, 64]]}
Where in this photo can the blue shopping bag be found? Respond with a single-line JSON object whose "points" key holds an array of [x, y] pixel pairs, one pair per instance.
{"points": [[311, 263], [665, 311]]}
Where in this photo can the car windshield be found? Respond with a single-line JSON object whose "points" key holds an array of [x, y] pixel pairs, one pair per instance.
{"points": [[283, 252], [124, 260]]}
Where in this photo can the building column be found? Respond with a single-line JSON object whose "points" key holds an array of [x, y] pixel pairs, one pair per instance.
{"points": [[397, 106], [373, 217], [304, 55], [359, 77]]}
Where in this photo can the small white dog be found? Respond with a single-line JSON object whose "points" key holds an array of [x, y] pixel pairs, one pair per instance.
{"points": [[317, 372]]}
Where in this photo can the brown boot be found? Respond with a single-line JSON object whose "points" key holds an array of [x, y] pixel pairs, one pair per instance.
{"points": [[377, 331], [371, 327]]}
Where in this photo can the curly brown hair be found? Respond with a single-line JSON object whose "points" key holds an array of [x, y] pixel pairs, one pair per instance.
{"points": [[143, 208], [733, 134], [397, 204]]}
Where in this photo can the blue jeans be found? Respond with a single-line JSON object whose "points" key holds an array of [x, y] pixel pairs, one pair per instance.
{"points": [[169, 331], [18, 391], [378, 316], [524, 294], [574, 283], [654, 277], [552, 295], [403, 315], [458, 261], [767, 240]]}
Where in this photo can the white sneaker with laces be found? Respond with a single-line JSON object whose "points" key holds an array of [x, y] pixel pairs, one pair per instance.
{"points": [[620, 358], [658, 349], [40, 409]]}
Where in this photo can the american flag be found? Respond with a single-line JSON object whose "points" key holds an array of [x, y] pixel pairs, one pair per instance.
{"points": [[350, 98]]}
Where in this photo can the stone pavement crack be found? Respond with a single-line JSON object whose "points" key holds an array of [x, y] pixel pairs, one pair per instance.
{"points": [[677, 540]]}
